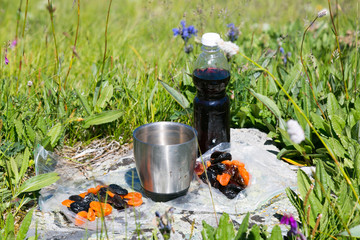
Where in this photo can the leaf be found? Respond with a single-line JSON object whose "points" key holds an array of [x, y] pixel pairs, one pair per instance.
{"points": [[84, 102], [241, 234], [19, 128], [324, 180], [9, 226], [14, 169], [54, 133], [271, 105], [225, 229], [179, 98], [25, 225], [38, 182], [276, 233], [25, 162], [105, 95], [208, 231], [103, 117], [304, 186], [30, 132], [336, 147], [254, 233], [333, 106], [355, 232], [338, 124]]}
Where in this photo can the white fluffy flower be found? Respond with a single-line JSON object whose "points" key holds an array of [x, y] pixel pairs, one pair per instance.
{"points": [[229, 48], [322, 13], [30, 83], [295, 131]]}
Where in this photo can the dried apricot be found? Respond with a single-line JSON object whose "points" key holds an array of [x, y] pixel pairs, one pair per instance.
{"points": [[101, 208], [91, 215], [228, 163], [238, 163], [80, 218], [135, 202], [110, 194], [132, 195], [223, 179], [245, 175], [83, 194], [67, 202]]}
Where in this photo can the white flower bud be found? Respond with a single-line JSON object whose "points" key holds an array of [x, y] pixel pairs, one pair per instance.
{"points": [[29, 83], [322, 13], [295, 131]]}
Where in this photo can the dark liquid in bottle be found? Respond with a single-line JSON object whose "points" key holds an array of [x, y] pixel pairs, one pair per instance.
{"points": [[211, 107]]}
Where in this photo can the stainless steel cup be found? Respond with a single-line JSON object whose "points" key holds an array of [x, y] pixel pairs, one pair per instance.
{"points": [[165, 154]]}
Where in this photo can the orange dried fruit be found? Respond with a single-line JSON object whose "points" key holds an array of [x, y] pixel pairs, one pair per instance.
{"points": [[238, 163], [110, 194], [227, 163], [132, 195], [245, 175], [135, 202], [67, 202], [101, 208], [83, 194], [91, 215], [223, 179], [80, 218], [208, 164]]}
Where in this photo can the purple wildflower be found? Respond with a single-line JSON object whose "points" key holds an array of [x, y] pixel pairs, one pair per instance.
{"points": [[13, 44], [284, 56], [6, 60], [186, 33], [294, 231], [233, 32]]}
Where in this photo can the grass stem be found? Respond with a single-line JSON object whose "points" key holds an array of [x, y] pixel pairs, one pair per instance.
{"points": [[74, 47]]}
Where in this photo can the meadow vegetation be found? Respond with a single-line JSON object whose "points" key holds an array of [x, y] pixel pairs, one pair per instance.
{"points": [[74, 71]]}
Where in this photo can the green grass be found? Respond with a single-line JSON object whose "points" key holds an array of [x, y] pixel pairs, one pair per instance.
{"points": [[141, 50]]}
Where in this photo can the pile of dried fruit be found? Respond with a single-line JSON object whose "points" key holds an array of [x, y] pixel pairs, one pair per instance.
{"points": [[229, 176], [99, 201]]}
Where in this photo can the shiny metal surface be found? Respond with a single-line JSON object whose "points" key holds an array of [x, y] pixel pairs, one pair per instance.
{"points": [[165, 154]]}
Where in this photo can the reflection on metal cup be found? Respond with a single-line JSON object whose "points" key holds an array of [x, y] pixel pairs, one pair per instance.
{"points": [[165, 155]]}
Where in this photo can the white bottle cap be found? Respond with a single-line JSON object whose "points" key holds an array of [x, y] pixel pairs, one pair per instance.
{"points": [[210, 39]]}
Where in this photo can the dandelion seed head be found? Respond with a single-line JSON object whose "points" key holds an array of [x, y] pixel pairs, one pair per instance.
{"points": [[295, 131], [229, 48]]}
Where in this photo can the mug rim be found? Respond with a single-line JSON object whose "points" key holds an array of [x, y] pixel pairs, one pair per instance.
{"points": [[193, 130]]}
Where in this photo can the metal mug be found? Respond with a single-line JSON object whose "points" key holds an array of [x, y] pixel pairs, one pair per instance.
{"points": [[165, 155]]}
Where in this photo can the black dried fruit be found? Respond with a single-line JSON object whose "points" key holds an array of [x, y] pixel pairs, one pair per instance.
{"points": [[218, 168], [117, 202], [75, 198], [90, 198], [114, 188], [79, 206], [231, 190], [216, 154], [222, 157]]}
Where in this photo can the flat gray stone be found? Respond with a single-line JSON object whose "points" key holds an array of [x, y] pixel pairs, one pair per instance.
{"points": [[54, 222]]}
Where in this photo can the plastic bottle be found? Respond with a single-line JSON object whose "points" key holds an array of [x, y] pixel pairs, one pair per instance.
{"points": [[211, 105]]}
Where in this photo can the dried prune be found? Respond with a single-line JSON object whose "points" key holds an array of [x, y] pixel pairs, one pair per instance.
{"points": [[218, 168], [90, 197], [216, 154], [75, 198], [222, 157], [117, 189], [79, 206], [117, 202], [231, 190]]}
